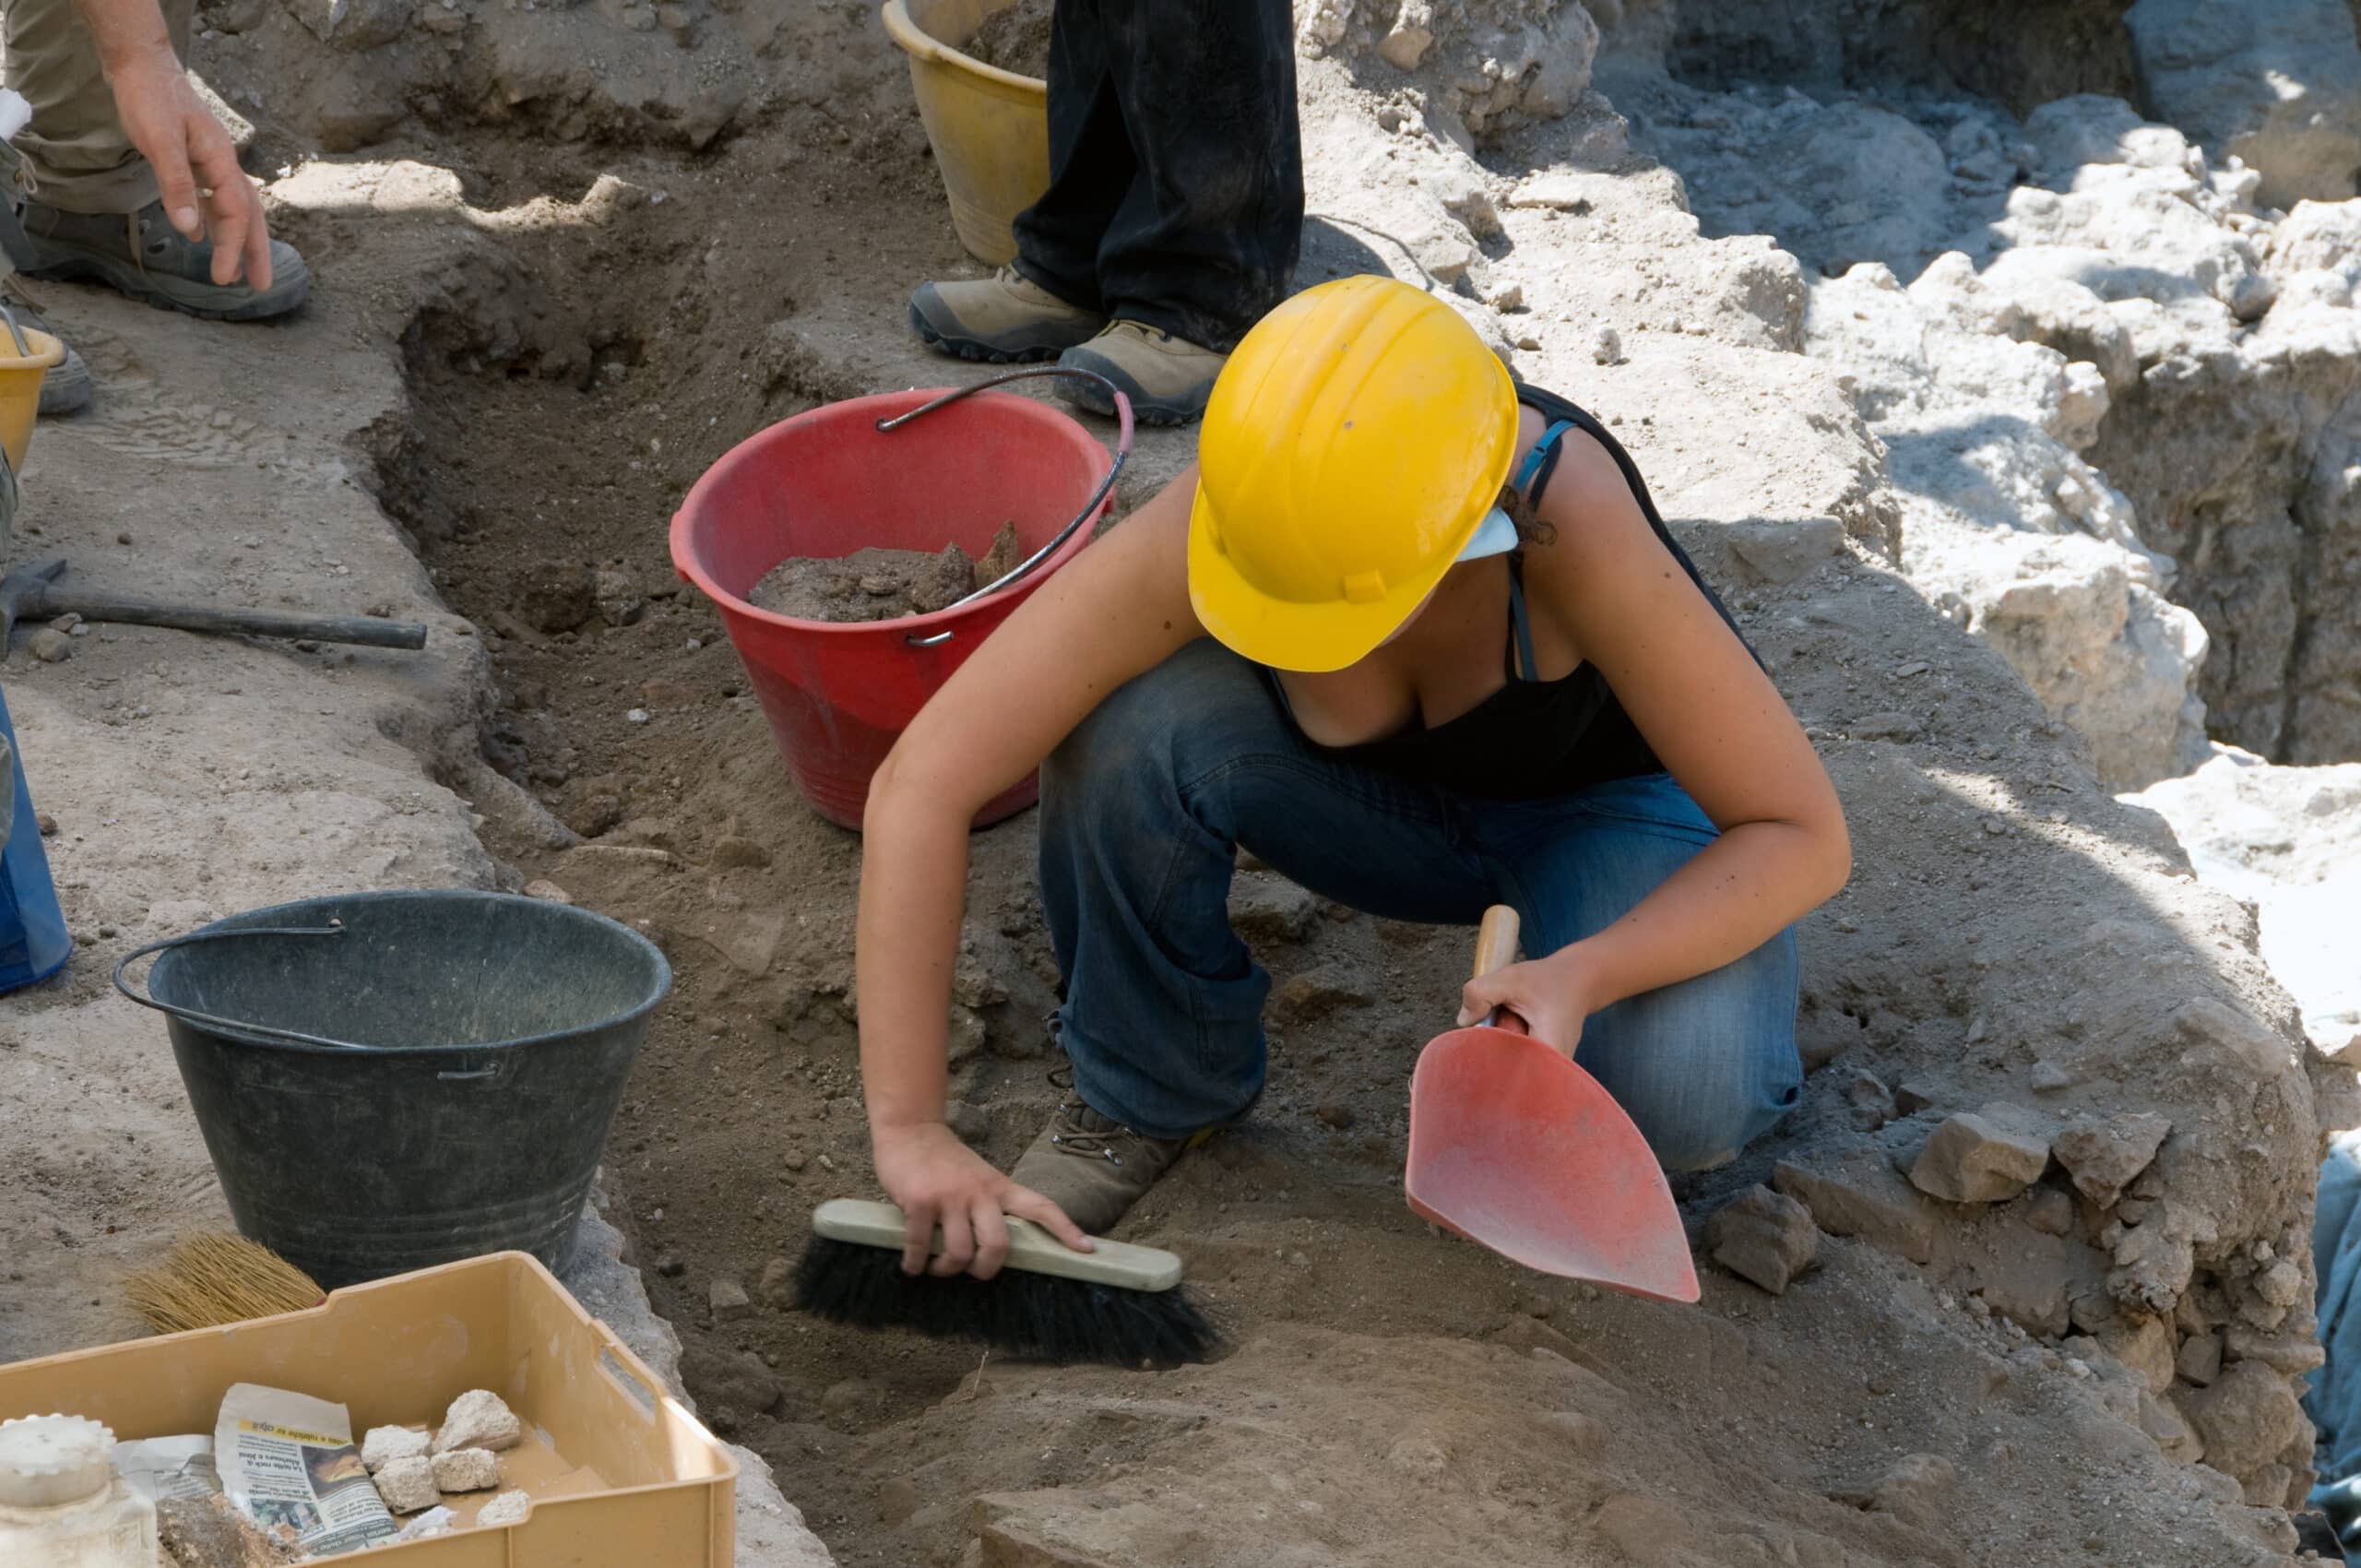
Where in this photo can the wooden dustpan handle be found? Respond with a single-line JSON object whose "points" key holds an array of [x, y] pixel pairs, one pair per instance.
{"points": [[1496, 941], [1496, 949]]}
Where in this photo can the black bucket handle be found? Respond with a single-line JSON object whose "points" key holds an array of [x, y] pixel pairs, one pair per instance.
{"points": [[230, 1026], [1090, 509]]}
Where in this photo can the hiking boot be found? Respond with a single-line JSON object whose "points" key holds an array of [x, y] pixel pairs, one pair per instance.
{"points": [[141, 255], [1004, 319], [1167, 379], [66, 388], [1094, 1167]]}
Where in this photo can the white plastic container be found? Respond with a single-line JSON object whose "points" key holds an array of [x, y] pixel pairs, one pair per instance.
{"points": [[61, 1506]]}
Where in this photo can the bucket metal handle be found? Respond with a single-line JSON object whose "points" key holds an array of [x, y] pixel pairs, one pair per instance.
{"points": [[231, 1026], [1089, 508]]}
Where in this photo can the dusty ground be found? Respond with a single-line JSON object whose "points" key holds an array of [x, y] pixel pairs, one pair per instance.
{"points": [[190, 776], [545, 311]]}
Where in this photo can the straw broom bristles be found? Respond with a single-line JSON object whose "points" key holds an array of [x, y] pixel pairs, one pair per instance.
{"points": [[214, 1277]]}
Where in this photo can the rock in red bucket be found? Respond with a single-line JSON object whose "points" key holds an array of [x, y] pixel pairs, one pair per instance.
{"points": [[829, 482]]}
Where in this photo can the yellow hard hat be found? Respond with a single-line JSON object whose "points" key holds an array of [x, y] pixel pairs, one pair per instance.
{"points": [[1354, 442]]}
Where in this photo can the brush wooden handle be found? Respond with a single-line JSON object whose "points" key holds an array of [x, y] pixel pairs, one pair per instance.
{"points": [[1030, 1248], [1496, 941]]}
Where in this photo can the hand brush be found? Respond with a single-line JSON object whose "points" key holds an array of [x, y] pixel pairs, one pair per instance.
{"points": [[1120, 1303], [214, 1277]]}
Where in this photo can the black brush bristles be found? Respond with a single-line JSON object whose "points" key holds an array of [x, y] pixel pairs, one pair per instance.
{"points": [[1034, 1315]]}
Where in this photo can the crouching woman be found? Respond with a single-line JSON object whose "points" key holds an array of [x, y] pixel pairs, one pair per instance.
{"points": [[1415, 636]]}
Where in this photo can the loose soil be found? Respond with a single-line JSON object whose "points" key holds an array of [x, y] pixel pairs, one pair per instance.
{"points": [[1015, 39], [872, 584], [868, 585]]}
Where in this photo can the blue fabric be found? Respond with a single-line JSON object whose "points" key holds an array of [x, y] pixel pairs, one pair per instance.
{"points": [[2334, 1396], [33, 943], [1531, 468], [1143, 808]]}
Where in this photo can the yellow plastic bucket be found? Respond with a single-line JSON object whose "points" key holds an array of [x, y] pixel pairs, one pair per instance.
{"points": [[20, 388], [990, 127]]}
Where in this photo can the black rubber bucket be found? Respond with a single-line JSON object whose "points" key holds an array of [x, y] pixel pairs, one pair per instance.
{"points": [[388, 1081]]}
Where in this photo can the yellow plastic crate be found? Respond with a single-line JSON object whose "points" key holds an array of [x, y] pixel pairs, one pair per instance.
{"points": [[621, 1475]]}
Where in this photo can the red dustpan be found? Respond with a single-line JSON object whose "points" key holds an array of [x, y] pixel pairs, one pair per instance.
{"points": [[1517, 1149]]}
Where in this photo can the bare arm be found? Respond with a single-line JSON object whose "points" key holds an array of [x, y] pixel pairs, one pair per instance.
{"points": [[1116, 611], [1719, 726], [192, 155]]}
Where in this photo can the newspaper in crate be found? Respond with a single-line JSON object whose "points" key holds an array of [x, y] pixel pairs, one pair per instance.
{"points": [[289, 1459], [159, 1468]]}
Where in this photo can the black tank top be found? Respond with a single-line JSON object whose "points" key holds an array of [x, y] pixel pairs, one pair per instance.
{"points": [[1533, 739]]}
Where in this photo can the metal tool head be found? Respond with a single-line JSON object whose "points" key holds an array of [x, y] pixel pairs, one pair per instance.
{"points": [[21, 595]]}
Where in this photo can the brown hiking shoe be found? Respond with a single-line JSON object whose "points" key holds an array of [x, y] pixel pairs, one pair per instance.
{"points": [[141, 255], [1002, 319], [1167, 379], [1094, 1167]]}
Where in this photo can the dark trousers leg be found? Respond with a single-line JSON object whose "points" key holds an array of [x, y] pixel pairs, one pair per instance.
{"points": [[1176, 190], [1091, 164]]}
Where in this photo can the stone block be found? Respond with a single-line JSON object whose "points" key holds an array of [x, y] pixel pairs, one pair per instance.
{"points": [[2247, 1418], [1972, 1158], [2144, 1345], [467, 1469], [2162, 1421], [478, 1418], [2199, 1361], [1863, 1196], [2293, 1354], [383, 1446], [1764, 1237], [407, 1484], [1267, 909], [2103, 1155], [2051, 1212]]}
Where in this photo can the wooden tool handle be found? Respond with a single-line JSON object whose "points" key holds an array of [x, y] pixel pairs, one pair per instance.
{"points": [[1496, 949], [1030, 1248], [1496, 941]]}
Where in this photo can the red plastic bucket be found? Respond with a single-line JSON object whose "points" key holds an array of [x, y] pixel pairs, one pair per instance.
{"points": [[829, 482]]}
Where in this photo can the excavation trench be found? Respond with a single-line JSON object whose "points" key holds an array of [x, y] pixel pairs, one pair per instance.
{"points": [[1395, 1394], [534, 474]]}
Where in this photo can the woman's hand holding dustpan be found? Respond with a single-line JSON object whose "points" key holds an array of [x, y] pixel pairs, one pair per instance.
{"points": [[1516, 1148], [1507, 994]]}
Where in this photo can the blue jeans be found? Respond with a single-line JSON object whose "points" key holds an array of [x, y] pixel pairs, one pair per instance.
{"points": [[1143, 809]]}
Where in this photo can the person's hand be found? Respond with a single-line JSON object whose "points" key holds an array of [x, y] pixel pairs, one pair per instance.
{"points": [[1550, 995], [205, 194], [935, 1180]]}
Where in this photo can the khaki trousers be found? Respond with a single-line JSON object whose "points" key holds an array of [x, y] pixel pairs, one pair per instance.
{"points": [[76, 151]]}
